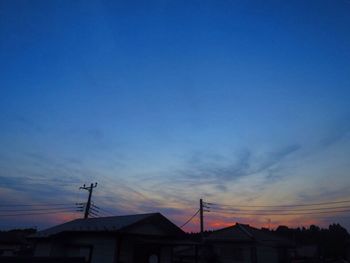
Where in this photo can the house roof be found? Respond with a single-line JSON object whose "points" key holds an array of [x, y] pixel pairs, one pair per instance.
{"points": [[17, 236], [11, 238], [246, 233], [110, 224]]}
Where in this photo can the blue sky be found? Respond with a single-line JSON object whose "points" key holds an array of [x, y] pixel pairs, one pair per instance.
{"points": [[164, 102]]}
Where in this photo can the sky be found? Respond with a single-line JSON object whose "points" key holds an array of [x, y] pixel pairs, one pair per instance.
{"points": [[165, 102]]}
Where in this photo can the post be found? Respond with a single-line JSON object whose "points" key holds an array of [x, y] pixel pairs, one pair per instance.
{"points": [[88, 204], [201, 216]]}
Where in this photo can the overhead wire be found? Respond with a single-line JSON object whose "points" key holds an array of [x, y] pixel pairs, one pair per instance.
{"points": [[283, 205], [33, 205], [283, 213], [285, 209], [190, 219], [329, 207], [281, 210], [105, 211], [40, 213], [36, 209]]}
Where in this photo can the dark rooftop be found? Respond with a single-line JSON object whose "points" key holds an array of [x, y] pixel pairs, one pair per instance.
{"points": [[246, 233], [101, 224]]}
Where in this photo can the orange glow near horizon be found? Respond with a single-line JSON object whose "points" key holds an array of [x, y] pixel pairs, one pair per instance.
{"points": [[212, 220], [215, 223], [52, 220]]}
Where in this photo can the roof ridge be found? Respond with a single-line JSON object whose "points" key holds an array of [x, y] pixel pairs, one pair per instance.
{"points": [[246, 231], [112, 223], [224, 228]]}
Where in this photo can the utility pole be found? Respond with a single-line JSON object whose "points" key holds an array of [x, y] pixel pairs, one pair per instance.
{"points": [[203, 207], [88, 204], [201, 216]]}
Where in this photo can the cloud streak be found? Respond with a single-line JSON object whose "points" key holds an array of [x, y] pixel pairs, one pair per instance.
{"points": [[217, 170]]}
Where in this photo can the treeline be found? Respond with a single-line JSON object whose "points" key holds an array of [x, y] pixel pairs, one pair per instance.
{"points": [[17, 237], [331, 242]]}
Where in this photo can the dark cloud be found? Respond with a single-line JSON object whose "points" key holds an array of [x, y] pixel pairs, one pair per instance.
{"points": [[221, 187], [216, 174], [39, 190], [202, 166], [15, 183], [60, 170], [275, 157], [44, 179], [323, 194], [274, 174], [217, 170]]}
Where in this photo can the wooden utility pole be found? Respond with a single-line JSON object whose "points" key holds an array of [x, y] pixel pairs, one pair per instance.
{"points": [[203, 207], [201, 215], [88, 204]]}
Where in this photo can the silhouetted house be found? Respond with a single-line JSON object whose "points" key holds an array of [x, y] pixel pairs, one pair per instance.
{"points": [[243, 243], [9, 244], [13, 243], [133, 238], [307, 251]]}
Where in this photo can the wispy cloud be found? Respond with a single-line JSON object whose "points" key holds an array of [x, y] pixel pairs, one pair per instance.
{"points": [[42, 178], [214, 175], [218, 170], [323, 194]]}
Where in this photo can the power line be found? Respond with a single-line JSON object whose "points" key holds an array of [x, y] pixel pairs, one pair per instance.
{"points": [[286, 213], [20, 205], [40, 213], [105, 211], [106, 214], [189, 220], [36, 209], [281, 210], [285, 205]]}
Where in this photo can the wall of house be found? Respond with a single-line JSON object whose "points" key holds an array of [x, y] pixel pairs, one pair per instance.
{"points": [[8, 249], [266, 254], [146, 229], [232, 253], [102, 248], [134, 251], [126, 249], [307, 251], [42, 249], [165, 255]]}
